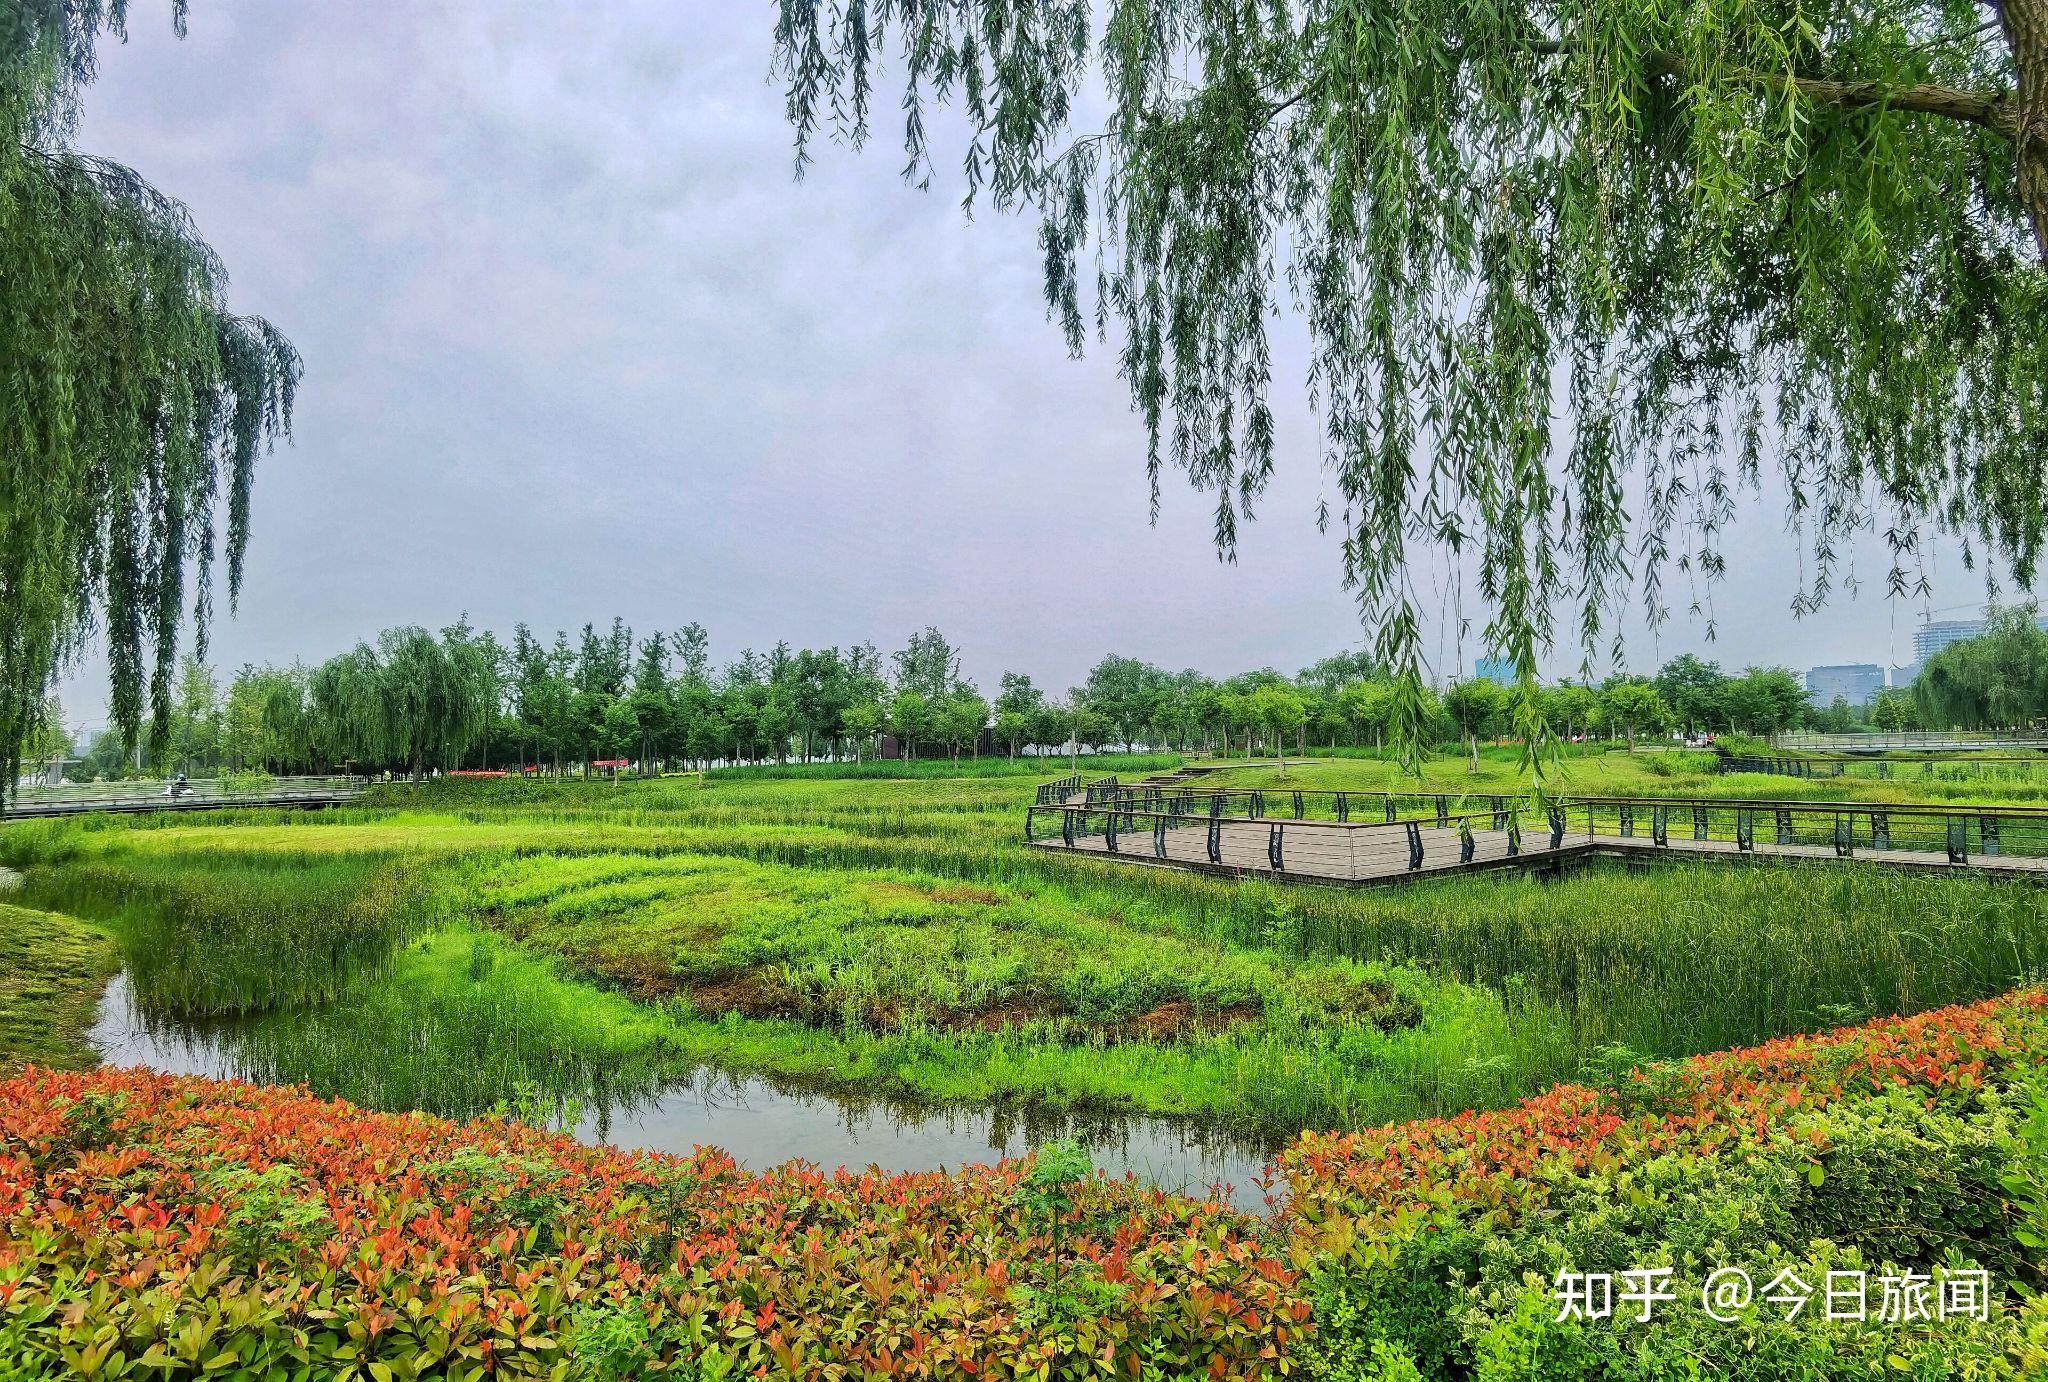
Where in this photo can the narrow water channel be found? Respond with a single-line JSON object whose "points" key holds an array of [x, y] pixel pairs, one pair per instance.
{"points": [[762, 1124]]}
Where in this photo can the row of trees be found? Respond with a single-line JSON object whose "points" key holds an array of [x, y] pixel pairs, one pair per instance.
{"points": [[414, 700]]}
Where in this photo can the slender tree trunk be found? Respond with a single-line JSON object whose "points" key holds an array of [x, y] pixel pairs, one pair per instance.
{"points": [[2026, 32]]}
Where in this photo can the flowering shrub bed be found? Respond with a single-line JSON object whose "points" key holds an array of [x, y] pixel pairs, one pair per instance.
{"points": [[1433, 1247], [154, 1226]]}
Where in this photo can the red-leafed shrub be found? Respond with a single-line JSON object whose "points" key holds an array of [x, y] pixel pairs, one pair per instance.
{"points": [[158, 1226], [1919, 1144], [167, 1221]]}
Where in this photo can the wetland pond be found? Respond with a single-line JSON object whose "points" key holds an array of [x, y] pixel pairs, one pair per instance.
{"points": [[761, 1123]]}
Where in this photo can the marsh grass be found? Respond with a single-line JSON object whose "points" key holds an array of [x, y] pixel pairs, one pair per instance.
{"points": [[222, 932], [895, 936], [458, 1022]]}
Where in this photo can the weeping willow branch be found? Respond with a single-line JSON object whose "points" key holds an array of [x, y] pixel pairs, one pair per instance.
{"points": [[1572, 275], [132, 401]]}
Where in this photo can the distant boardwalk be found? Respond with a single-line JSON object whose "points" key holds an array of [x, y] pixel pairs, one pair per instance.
{"points": [[1365, 838], [133, 798], [1918, 740]]}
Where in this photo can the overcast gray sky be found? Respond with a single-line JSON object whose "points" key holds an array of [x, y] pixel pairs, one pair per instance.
{"points": [[577, 344]]}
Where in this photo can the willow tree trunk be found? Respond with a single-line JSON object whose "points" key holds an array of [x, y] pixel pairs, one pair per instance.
{"points": [[2026, 31]]}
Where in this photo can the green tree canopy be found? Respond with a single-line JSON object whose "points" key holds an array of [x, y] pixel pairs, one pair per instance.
{"points": [[1696, 236], [1998, 679], [132, 401]]}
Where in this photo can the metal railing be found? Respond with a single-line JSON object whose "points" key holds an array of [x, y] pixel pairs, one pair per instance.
{"points": [[201, 794], [1059, 789], [1296, 846], [1948, 768], [1202, 834], [1944, 832], [1360, 806], [1911, 739]]}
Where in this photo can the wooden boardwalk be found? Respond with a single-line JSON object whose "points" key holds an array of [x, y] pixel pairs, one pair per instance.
{"points": [[1988, 841], [1354, 859], [300, 794]]}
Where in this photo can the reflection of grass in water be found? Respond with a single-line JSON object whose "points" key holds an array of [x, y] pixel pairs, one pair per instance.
{"points": [[458, 1024]]}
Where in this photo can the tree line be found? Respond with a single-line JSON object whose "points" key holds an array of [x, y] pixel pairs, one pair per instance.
{"points": [[414, 701], [1997, 680]]}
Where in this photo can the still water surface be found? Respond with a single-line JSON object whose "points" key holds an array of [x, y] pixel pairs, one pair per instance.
{"points": [[763, 1124]]}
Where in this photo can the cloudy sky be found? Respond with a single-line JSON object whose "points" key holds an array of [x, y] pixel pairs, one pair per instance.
{"points": [[577, 344]]}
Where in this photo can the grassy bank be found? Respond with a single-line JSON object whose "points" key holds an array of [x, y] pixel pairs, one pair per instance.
{"points": [[52, 970]]}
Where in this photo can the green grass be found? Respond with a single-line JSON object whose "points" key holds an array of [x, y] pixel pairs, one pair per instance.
{"points": [[52, 969], [221, 931], [459, 1022], [894, 936]]}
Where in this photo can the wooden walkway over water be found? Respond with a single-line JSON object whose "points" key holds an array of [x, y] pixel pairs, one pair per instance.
{"points": [[1362, 839], [128, 799]]}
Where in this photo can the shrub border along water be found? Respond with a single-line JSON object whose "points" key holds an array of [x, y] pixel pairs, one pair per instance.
{"points": [[186, 1224]]}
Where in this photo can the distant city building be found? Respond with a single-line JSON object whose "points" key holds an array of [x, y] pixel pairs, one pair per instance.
{"points": [[1936, 634], [1905, 676], [1856, 683], [1497, 670]]}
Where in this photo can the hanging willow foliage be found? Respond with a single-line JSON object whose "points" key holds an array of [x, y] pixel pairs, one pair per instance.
{"points": [[131, 399], [1573, 274]]}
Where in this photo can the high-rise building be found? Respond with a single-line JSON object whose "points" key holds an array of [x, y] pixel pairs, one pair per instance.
{"points": [[1936, 634], [1498, 670], [1856, 683]]}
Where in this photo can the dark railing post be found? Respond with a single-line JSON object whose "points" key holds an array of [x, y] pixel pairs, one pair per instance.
{"points": [[1556, 828], [1660, 820], [1880, 830], [1392, 810], [1500, 813], [1987, 834], [1297, 804], [1067, 827], [1628, 820], [1958, 842], [1845, 835], [1745, 831], [1443, 813], [1159, 837], [1465, 842], [1215, 839], [1699, 822], [1273, 854], [1109, 829], [1343, 806], [1514, 837], [1215, 807], [1414, 844], [1258, 806], [1784, 821]]}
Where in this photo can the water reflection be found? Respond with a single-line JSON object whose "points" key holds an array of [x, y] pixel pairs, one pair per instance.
{"points": [[761, 1122]]}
